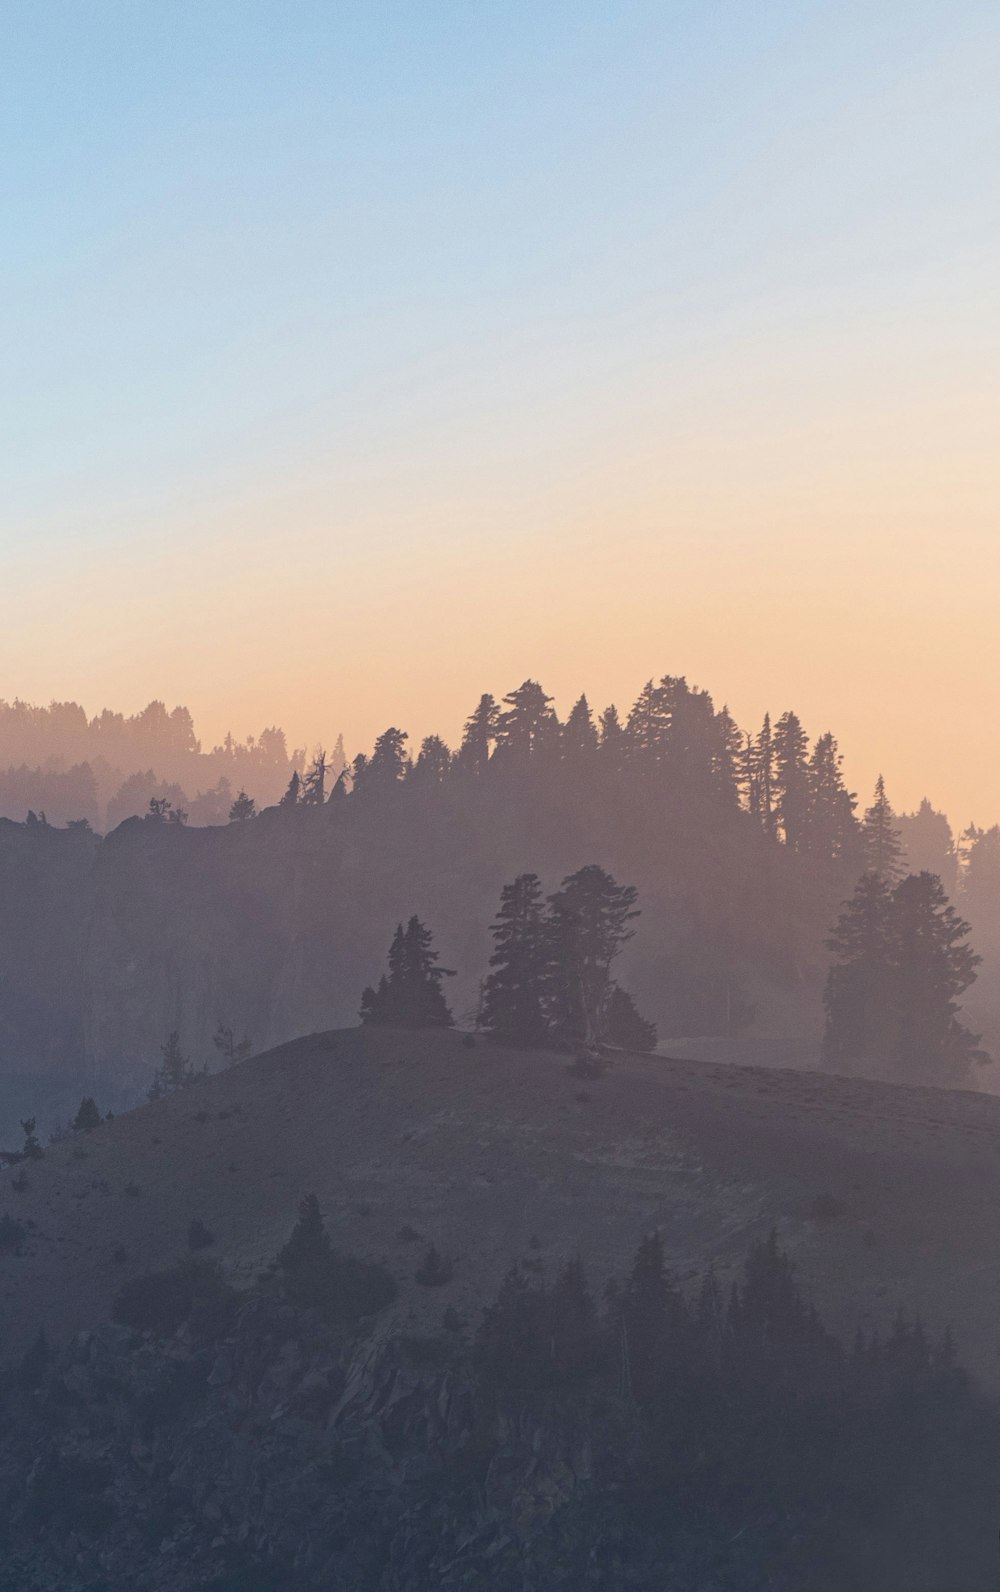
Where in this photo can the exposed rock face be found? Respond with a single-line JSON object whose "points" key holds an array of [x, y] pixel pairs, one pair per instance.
{"points": [[281, 1458]]}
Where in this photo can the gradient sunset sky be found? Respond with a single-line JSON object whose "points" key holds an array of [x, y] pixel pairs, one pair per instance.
{"points": [[359, 358]]}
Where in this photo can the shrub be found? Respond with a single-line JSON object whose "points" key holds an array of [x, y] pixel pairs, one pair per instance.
{"points": [[161, 1301], [435, 1269]]}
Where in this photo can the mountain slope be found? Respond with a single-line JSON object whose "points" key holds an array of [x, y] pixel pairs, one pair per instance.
{"points": [[885, 1196]]}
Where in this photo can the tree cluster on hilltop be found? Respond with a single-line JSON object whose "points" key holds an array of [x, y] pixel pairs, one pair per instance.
{"points": [[550, 978]]}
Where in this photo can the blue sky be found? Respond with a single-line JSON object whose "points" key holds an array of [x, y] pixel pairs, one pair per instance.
{"points": [[385, 282]]}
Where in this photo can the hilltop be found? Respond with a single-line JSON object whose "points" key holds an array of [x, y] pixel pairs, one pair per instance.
{"points": [[885, 1196]]}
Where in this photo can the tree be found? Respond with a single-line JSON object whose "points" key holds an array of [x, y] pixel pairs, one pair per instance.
{"points": [[528, 726], [883, 848], [386, 767], [433, 761], [243, 808], [314, 783], [175, 1071], [892, 994], [611, 738], [514, 993], [831, 831], [87, 1117], [291, 796], [31, 1149], [625, 1027], [579, 736], [933, 967], [229, 1047], [588, 926], [480, 733], [928, 846], [411, 995], [859, 997], [791, 779], [651, 1314]]}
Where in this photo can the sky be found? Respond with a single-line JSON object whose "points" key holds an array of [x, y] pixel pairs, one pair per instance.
{"points": [[362, 357]]}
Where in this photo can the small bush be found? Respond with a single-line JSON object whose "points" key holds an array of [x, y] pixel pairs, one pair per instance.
{"points": [[408, 1234], [435, 1269], [825, 1208], [161, 1301], [199, 1236], [469, 1041], [19, 1183], [132, 1190]]}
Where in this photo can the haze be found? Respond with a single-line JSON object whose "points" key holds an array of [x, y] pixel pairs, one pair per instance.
{"points": [[359, 359]]}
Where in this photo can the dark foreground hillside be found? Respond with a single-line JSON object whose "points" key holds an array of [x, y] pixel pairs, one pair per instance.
{"points": [[246, 1441]]}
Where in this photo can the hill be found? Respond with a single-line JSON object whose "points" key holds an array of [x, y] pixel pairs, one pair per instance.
{"points": [[885, 1196]]}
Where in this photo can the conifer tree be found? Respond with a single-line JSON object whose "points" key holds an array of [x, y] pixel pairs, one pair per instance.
{"points": [[31, 1150], [933, 967], [892, 994], [514, 993], [589, 922], [386, 768], [87, 1117], [611, 738], [479, 736], [411, 995], [314, 784], [727, 754], [175, 1071], [433, 761], [650, 1312], [624, 1026], [231, 1049], [791, 780], [831, 831], [528, 726], [765, 776], [243, 808], [579, 735], [291, 796], [883, 848]]}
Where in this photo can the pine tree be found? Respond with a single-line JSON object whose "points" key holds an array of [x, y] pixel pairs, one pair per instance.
{"points": [[883, 848], [892, 994], [480, 733], [31, 1150], [175, 1071], [433, 762], [87, 1117], [765, 776], [588, 922], [859, 995], [386, 768], [243, 808], [651, 1314], [933, 966], [314, 783], [791, 780], [229, 1047], [411, 995], [528, 727], [624, 1026], [611, 732], [291, 796], [727, 755], [579, 735], [831, 831], [514, 993]]}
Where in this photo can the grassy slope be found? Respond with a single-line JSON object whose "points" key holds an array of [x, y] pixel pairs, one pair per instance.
{"points": [[495, 1154]]}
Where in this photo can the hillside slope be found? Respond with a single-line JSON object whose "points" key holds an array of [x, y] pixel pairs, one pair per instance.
{"points": [[887, 1197]]}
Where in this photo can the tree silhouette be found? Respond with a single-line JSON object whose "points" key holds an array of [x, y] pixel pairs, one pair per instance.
{"points": [[514, 996], [883, 849], [243, 807], [175, 1071], [410, 995], [589, 920]]}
